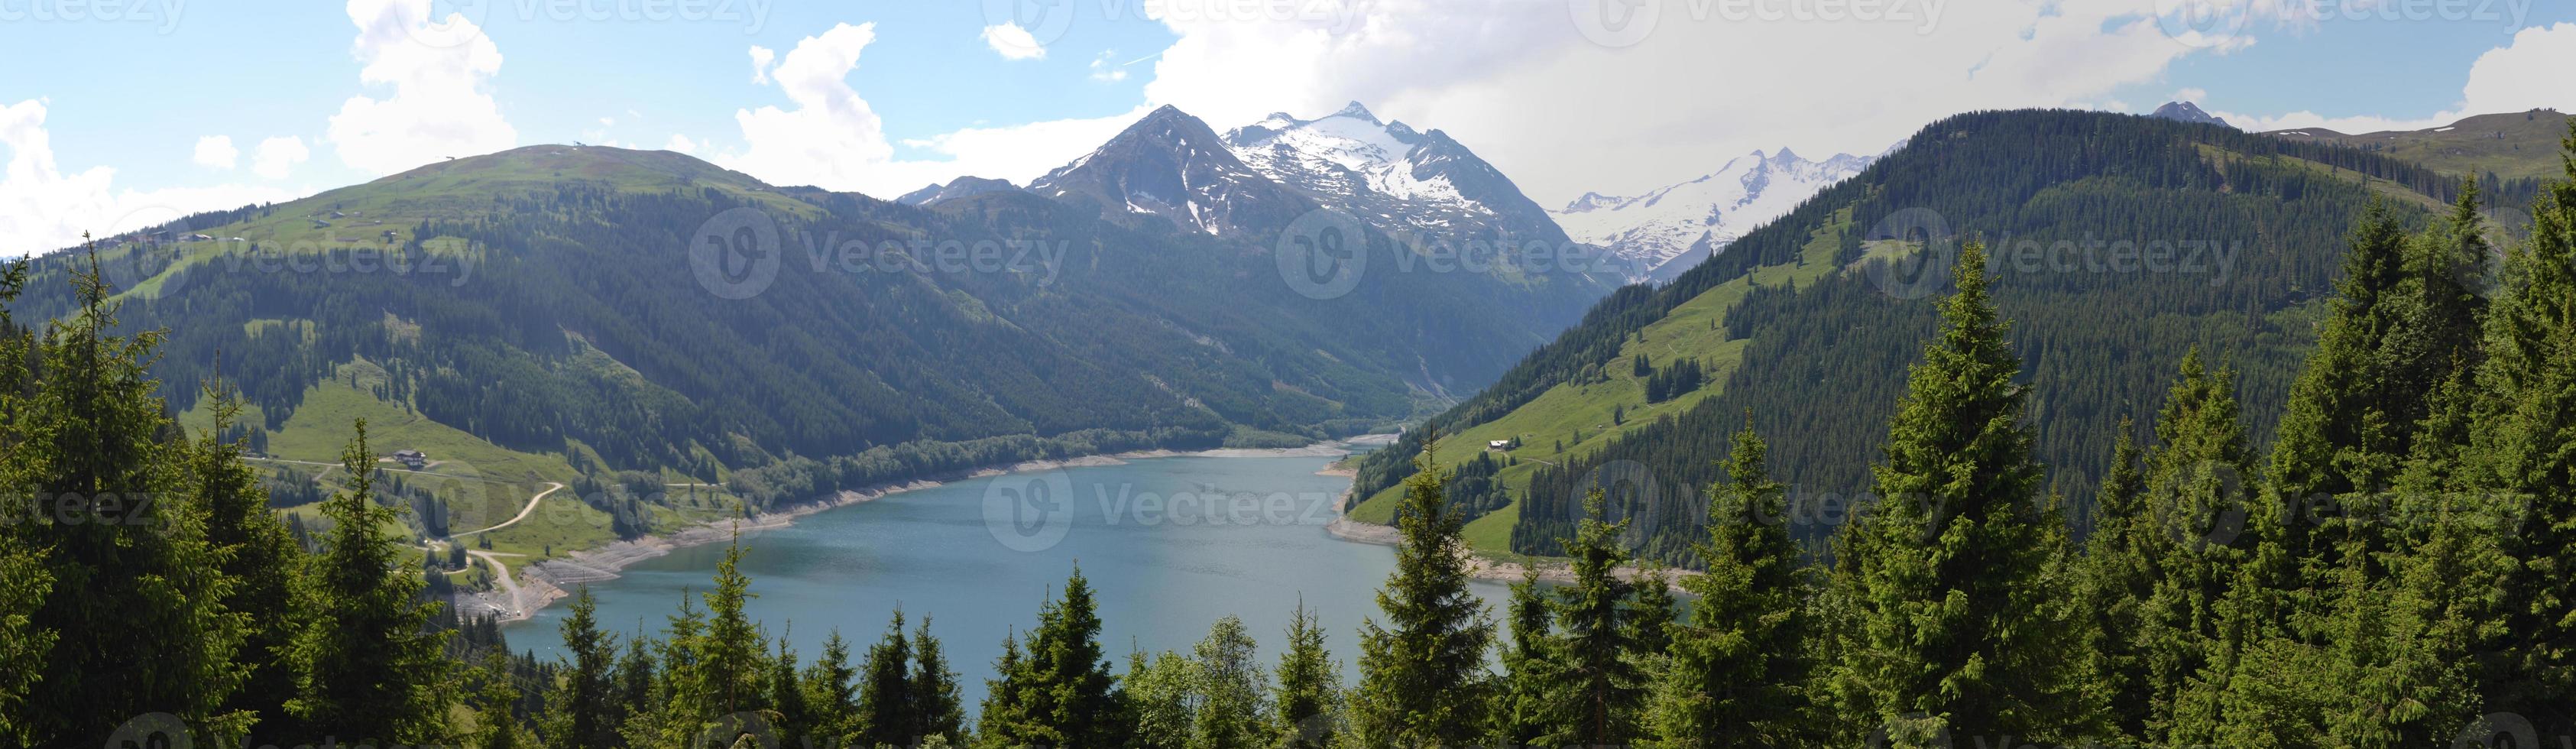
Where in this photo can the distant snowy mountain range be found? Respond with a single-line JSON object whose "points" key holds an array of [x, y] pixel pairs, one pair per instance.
{"points": [[1421, 185], [1669, 229]]}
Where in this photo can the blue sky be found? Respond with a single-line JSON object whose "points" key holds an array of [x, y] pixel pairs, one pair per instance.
{"points": [[115, 108]]}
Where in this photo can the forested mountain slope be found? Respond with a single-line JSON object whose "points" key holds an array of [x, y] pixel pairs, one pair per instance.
{"points": [[603, 309], [2120, 242]]}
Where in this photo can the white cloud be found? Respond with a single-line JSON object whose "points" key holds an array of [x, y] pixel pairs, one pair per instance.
{"points": [[681, 144], [44, 209], [607, 122], [1105, 71], [439, 107], [831, 138], [217, 151], [2527, 73], [1692, 93], [277, 156], [2194, 95], [761, 57], [1013, 42]]}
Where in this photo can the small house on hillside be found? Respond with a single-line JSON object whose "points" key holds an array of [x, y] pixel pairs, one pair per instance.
{"points": [[412, 459], [1498, 445]]}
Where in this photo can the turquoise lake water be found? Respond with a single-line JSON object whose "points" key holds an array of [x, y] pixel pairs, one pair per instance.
{"points": [[1169, 545]]}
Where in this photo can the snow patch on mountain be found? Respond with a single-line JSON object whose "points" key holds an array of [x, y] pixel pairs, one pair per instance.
{"points": [[1669, 229]]}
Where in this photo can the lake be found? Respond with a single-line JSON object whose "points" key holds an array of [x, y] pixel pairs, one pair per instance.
{"points": [[1169, 545]]}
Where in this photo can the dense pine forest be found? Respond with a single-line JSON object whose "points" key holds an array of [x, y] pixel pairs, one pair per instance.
{"points": [[2390, 572], [1825, 361]]}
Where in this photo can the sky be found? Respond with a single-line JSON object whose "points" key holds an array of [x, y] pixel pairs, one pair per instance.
{"points": [[121, 113]]}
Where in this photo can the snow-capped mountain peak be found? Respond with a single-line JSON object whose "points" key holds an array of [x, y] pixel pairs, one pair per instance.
{"points": [[1672, 228], [1356, 111], [1406, 180], [1171, 165]]}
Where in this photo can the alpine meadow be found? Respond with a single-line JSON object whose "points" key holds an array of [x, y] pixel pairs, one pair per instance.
{"points": [[1308, 374]]}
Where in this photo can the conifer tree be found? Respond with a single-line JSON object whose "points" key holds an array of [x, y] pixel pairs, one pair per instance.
{"points": [[938, 711], [1309, 694], [2521, 463], [2196, 506], [636, 681], [1530, 695], [886, 709], [1058, 690], [729, 656], [675, 711], [1601, 646], [258, 558], [2352, 412], [1650, 622], [495, 726], [793, 721], [1959, 628], [582, 706], [2116, 583], [24, 581], [1740, 670], [831, 693], [1002, 719], [1422, 674], [367, 669], [132, 593]]}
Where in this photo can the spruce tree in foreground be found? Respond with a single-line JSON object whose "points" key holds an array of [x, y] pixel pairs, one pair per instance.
{"points": [[887, 712], [937, 710], [25, 583], [495, 727], [2352, 415], [1740, 671], [831, 694], [366, 669], [1531, 705], [2114, 586], [2194, 536], [1601, 645], [1308, 699], [131, 590], [791, 717], [582, 706], [259, 558], [1057, 690], [1422, 674], [1959, 628], [2522, 461]]}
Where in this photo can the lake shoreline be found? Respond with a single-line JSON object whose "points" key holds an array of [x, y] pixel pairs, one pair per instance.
{"points": [[543, 583]]}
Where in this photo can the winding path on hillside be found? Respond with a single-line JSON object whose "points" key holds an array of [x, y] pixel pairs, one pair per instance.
{"points": [[524, 512]]}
